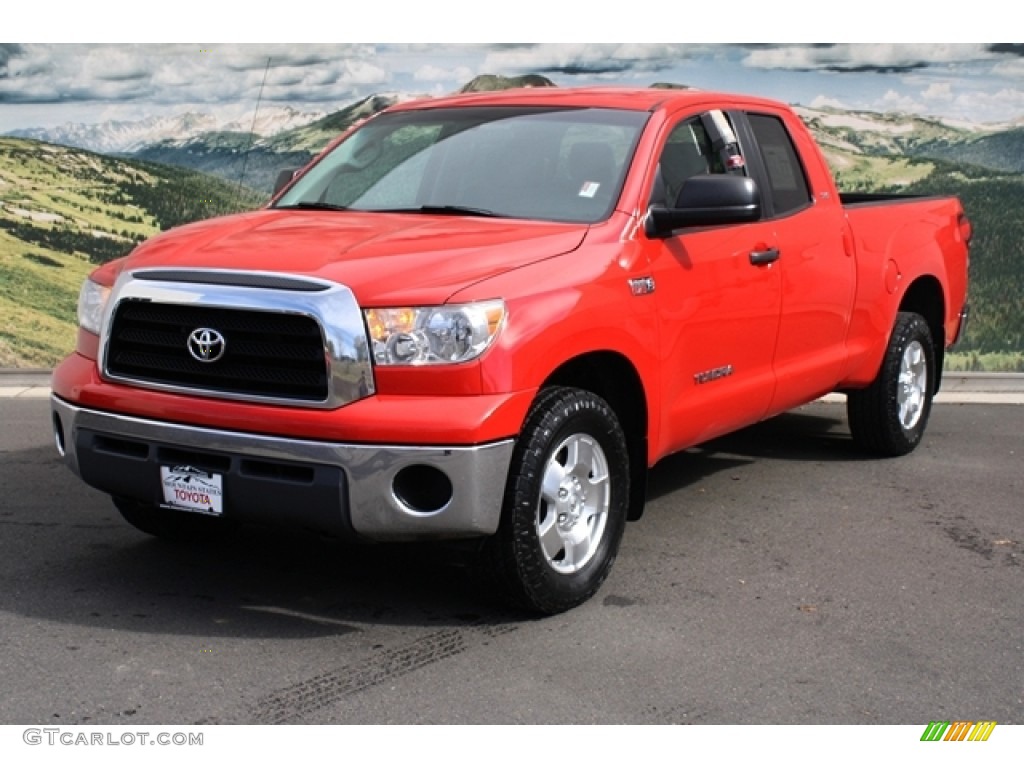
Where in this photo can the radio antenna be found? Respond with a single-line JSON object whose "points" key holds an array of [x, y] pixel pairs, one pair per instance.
{"points": [[252, 129]]}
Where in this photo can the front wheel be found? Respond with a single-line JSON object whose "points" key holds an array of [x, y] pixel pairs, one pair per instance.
{"points": [[565, 503], [889, 417]]}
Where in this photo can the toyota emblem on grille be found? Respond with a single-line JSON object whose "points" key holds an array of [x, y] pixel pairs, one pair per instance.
{"points": [[206, 345]]}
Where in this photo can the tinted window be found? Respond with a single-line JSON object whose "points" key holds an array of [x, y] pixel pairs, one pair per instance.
{"points": [[785, 173]]}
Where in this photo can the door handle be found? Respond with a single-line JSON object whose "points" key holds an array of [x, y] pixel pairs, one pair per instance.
{"points": [[759, 258]]}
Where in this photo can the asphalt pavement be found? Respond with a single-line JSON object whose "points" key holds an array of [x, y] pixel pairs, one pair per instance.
{"points": [[778, 576]]}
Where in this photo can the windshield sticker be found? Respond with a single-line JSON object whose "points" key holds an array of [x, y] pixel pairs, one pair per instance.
{"points": [[589, 188]]}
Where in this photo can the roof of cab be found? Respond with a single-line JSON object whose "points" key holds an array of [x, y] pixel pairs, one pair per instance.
{"points": [[644, 99]]}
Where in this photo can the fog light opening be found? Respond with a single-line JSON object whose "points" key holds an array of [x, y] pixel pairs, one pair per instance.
{"points": [[58, 435], [422, 489]]}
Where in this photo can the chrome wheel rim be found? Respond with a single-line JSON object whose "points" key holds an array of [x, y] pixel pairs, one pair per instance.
{"points": [[912, 388], [573, 509]]}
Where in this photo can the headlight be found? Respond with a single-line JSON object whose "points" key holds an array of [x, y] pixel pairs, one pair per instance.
{"points": [[433, 335], [92, 300]]}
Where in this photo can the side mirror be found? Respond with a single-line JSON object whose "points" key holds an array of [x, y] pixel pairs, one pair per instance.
{"points": [[706, 201], [284, 178]]}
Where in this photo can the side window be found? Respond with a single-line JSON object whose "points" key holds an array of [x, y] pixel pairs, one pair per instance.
{"points": [[687, 153], [786, 178], [704, 144]]}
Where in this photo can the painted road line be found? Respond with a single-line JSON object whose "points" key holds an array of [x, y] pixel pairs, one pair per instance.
{"points": [[25, 392]]}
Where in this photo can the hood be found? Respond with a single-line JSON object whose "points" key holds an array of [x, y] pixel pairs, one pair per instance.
{"points": [[385, 258]]}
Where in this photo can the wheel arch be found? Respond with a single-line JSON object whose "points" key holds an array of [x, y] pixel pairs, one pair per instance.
{"points": [[925, 298], [615, 379]]}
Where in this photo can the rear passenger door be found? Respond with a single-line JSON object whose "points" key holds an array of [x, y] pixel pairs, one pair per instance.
{"points": [[816, 269]]}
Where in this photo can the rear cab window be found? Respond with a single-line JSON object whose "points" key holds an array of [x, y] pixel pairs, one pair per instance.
{"points": [[786, 179]]}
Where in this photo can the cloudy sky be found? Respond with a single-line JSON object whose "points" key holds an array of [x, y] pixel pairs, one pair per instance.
{"points": [[51, 83]]}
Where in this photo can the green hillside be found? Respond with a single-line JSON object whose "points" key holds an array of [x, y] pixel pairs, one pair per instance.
{"points": [[903, 154], [501, 83], [314, 137], [237, 159], [995, 205], [228, 156], [62, 212], [1002, 151]]}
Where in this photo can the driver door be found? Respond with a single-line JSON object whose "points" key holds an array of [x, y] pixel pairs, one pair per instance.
{"points": [[718, 300]]}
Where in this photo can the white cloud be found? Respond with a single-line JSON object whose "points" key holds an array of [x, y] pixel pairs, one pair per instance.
{"points": [[428, 73], [827, 102], [590, 57], [938, 92], [192, 73], [972, 106], [1010, 68], [854, 57], [894, 101], [956, 80], [991, 106]]}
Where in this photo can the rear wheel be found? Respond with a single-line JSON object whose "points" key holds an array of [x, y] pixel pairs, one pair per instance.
{"points": [[890, 416], [172, 524], [565, 503]]}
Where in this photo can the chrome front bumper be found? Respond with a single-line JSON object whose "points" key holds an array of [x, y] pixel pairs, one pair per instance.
{"points": [[375, 491]]}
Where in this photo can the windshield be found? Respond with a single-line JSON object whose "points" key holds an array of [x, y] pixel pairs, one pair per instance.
{"points": [[549, 164]]}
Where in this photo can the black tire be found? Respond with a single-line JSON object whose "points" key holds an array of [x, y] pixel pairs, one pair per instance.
{"points": [[172, 524], [890, 416], [555, 545]]}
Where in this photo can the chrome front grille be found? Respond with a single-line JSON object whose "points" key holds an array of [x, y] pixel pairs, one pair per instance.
{"points": [[237, 335], [266, 354]]}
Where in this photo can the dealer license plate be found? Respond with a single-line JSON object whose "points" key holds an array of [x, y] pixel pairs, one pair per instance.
{"points": [[193, 489]]}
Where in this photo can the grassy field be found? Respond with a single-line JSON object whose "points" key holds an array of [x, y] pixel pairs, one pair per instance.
{"points": [[62, 212], [38, 293], [866, 173], [988, 362], [48, 193]]}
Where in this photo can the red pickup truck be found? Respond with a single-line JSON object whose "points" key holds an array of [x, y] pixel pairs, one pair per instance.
{"points": [[485, 316]]}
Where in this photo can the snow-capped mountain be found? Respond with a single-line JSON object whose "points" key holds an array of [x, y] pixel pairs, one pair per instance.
{"points": [[123, 137], [899, 134], [272, 121]]}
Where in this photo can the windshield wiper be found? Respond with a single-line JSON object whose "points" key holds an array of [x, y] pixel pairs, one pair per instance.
{"points": [[449, 210], [311, 206]]}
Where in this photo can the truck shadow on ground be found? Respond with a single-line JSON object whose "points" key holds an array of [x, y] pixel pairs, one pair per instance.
{"points": [[67, 556], [819, 436]]}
